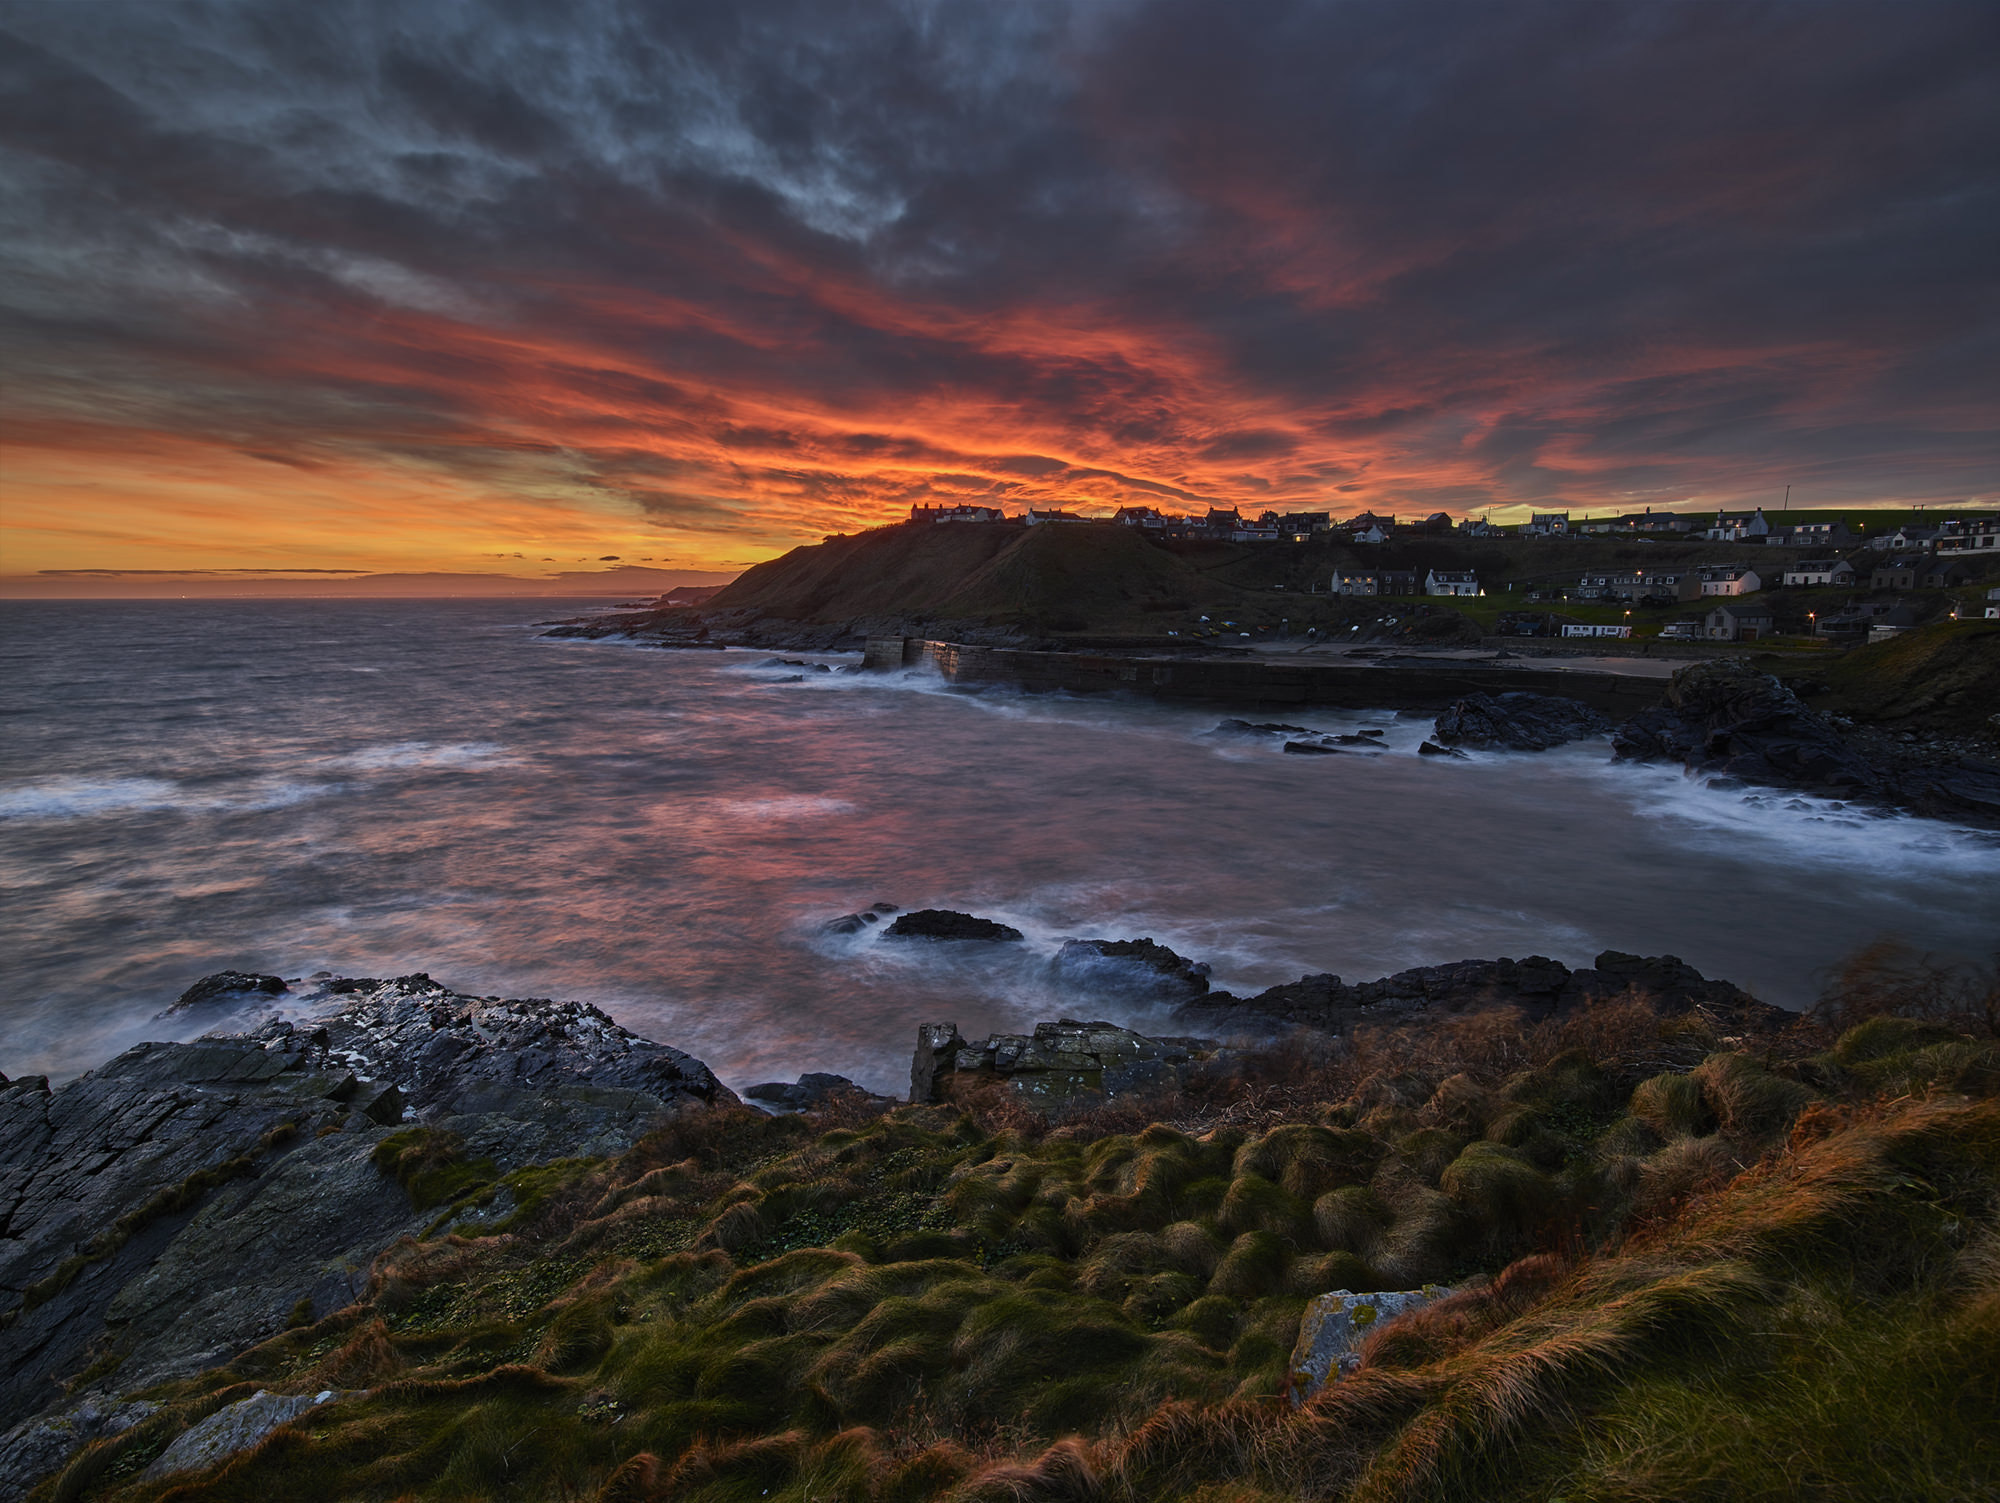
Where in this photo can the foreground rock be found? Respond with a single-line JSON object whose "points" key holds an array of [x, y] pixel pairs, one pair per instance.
{"points": [[1538, 986], [1518, 722], [1334, 1326], [1060, 1063], [1727, 718], [184, 1201], [946, 923]]}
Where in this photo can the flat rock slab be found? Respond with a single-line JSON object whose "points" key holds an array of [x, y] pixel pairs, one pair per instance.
{"points": [[1068, 1060], [1335, 1325], [235, 1427]]}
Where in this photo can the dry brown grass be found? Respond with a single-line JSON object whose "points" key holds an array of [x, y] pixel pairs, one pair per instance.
{"points": [[1888, 977]]}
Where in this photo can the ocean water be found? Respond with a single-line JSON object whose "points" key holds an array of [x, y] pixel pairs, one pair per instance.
{"points": [[374, 788]]}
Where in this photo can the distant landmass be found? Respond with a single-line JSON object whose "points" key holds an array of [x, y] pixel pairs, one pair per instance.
{"points": [[97, 584]]}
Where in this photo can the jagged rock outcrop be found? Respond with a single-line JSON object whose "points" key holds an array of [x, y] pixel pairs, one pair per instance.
{"points": [[1518, 721], [1727, 718], [947, 923], [1134, 970], [227, 991], [1537, 985], [1060, 1062], [185, 1200]]}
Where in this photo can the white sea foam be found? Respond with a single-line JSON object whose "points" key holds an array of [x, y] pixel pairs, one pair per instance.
{"points": [[84, 798], [783, 806], [427, 756], [79, 798], [1803, 829]]}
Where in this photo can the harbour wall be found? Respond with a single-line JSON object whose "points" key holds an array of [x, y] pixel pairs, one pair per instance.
{"points": [[1239, 681]]}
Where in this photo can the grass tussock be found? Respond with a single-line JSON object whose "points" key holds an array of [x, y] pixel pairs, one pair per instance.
{"points": [[1685, 1267]]}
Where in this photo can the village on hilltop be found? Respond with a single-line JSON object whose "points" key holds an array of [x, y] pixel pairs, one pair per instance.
{"points": [[1842, 579]]}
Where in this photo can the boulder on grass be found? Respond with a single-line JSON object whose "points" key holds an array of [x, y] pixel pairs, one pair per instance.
{"points": [[1334, 1326]]}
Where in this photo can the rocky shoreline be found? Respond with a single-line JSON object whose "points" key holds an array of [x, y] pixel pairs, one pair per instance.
{"points": [[1717, 717], [183, 1202]]}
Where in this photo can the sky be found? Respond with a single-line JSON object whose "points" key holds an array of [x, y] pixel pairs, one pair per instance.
{"points": [[527, 290]]}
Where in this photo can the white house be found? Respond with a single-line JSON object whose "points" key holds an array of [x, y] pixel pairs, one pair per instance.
{"points": [[1358, 582], [1738, 623], [1035, 518], [1910, 539], [1820, 571], [1573, 629], [1969, 535], [1371, 534], [1730, 528], [1993, 604], [1451, 582], [1548, 524], [1730, 579], [962, 513]]}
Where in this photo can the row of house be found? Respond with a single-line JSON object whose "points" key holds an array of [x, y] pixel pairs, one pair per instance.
{"points": [[1954, 535], [1405, 582]]}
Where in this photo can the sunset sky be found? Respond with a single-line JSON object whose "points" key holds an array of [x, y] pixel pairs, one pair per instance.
{"points": [[519, 287]]}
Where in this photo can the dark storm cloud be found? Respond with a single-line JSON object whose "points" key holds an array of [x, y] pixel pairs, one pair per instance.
{"points": [[808, 261]]}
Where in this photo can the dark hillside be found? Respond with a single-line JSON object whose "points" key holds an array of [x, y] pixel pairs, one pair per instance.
{"points": [[1057, 578], [1108, 579]]}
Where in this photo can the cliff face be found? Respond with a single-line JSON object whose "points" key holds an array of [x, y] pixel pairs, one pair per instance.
{"points": [[185, 1200]]}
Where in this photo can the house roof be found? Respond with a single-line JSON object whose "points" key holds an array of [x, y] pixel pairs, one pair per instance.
{"points": [[1741, 612]]}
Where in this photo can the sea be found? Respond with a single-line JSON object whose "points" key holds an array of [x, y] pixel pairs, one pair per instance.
{"points": [[375, 788]]}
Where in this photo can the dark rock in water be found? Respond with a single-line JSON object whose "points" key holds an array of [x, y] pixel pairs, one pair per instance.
{"points": [[227, 991], [1727, 718], [163, 1168], [1064, 1062], [1136, 970], [854, 923], [1311, 749], [1360, 738], [1263, 728], [812, 1090], [1538, 986], [1432, 749], [945, 923], [1518, 721]]}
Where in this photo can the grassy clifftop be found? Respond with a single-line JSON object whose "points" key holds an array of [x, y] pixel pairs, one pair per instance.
{"points": [[1690, 1267], [1945, 677]]}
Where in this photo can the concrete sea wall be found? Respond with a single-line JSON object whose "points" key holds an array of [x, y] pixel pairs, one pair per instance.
{"points": [[1237, 681]]}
